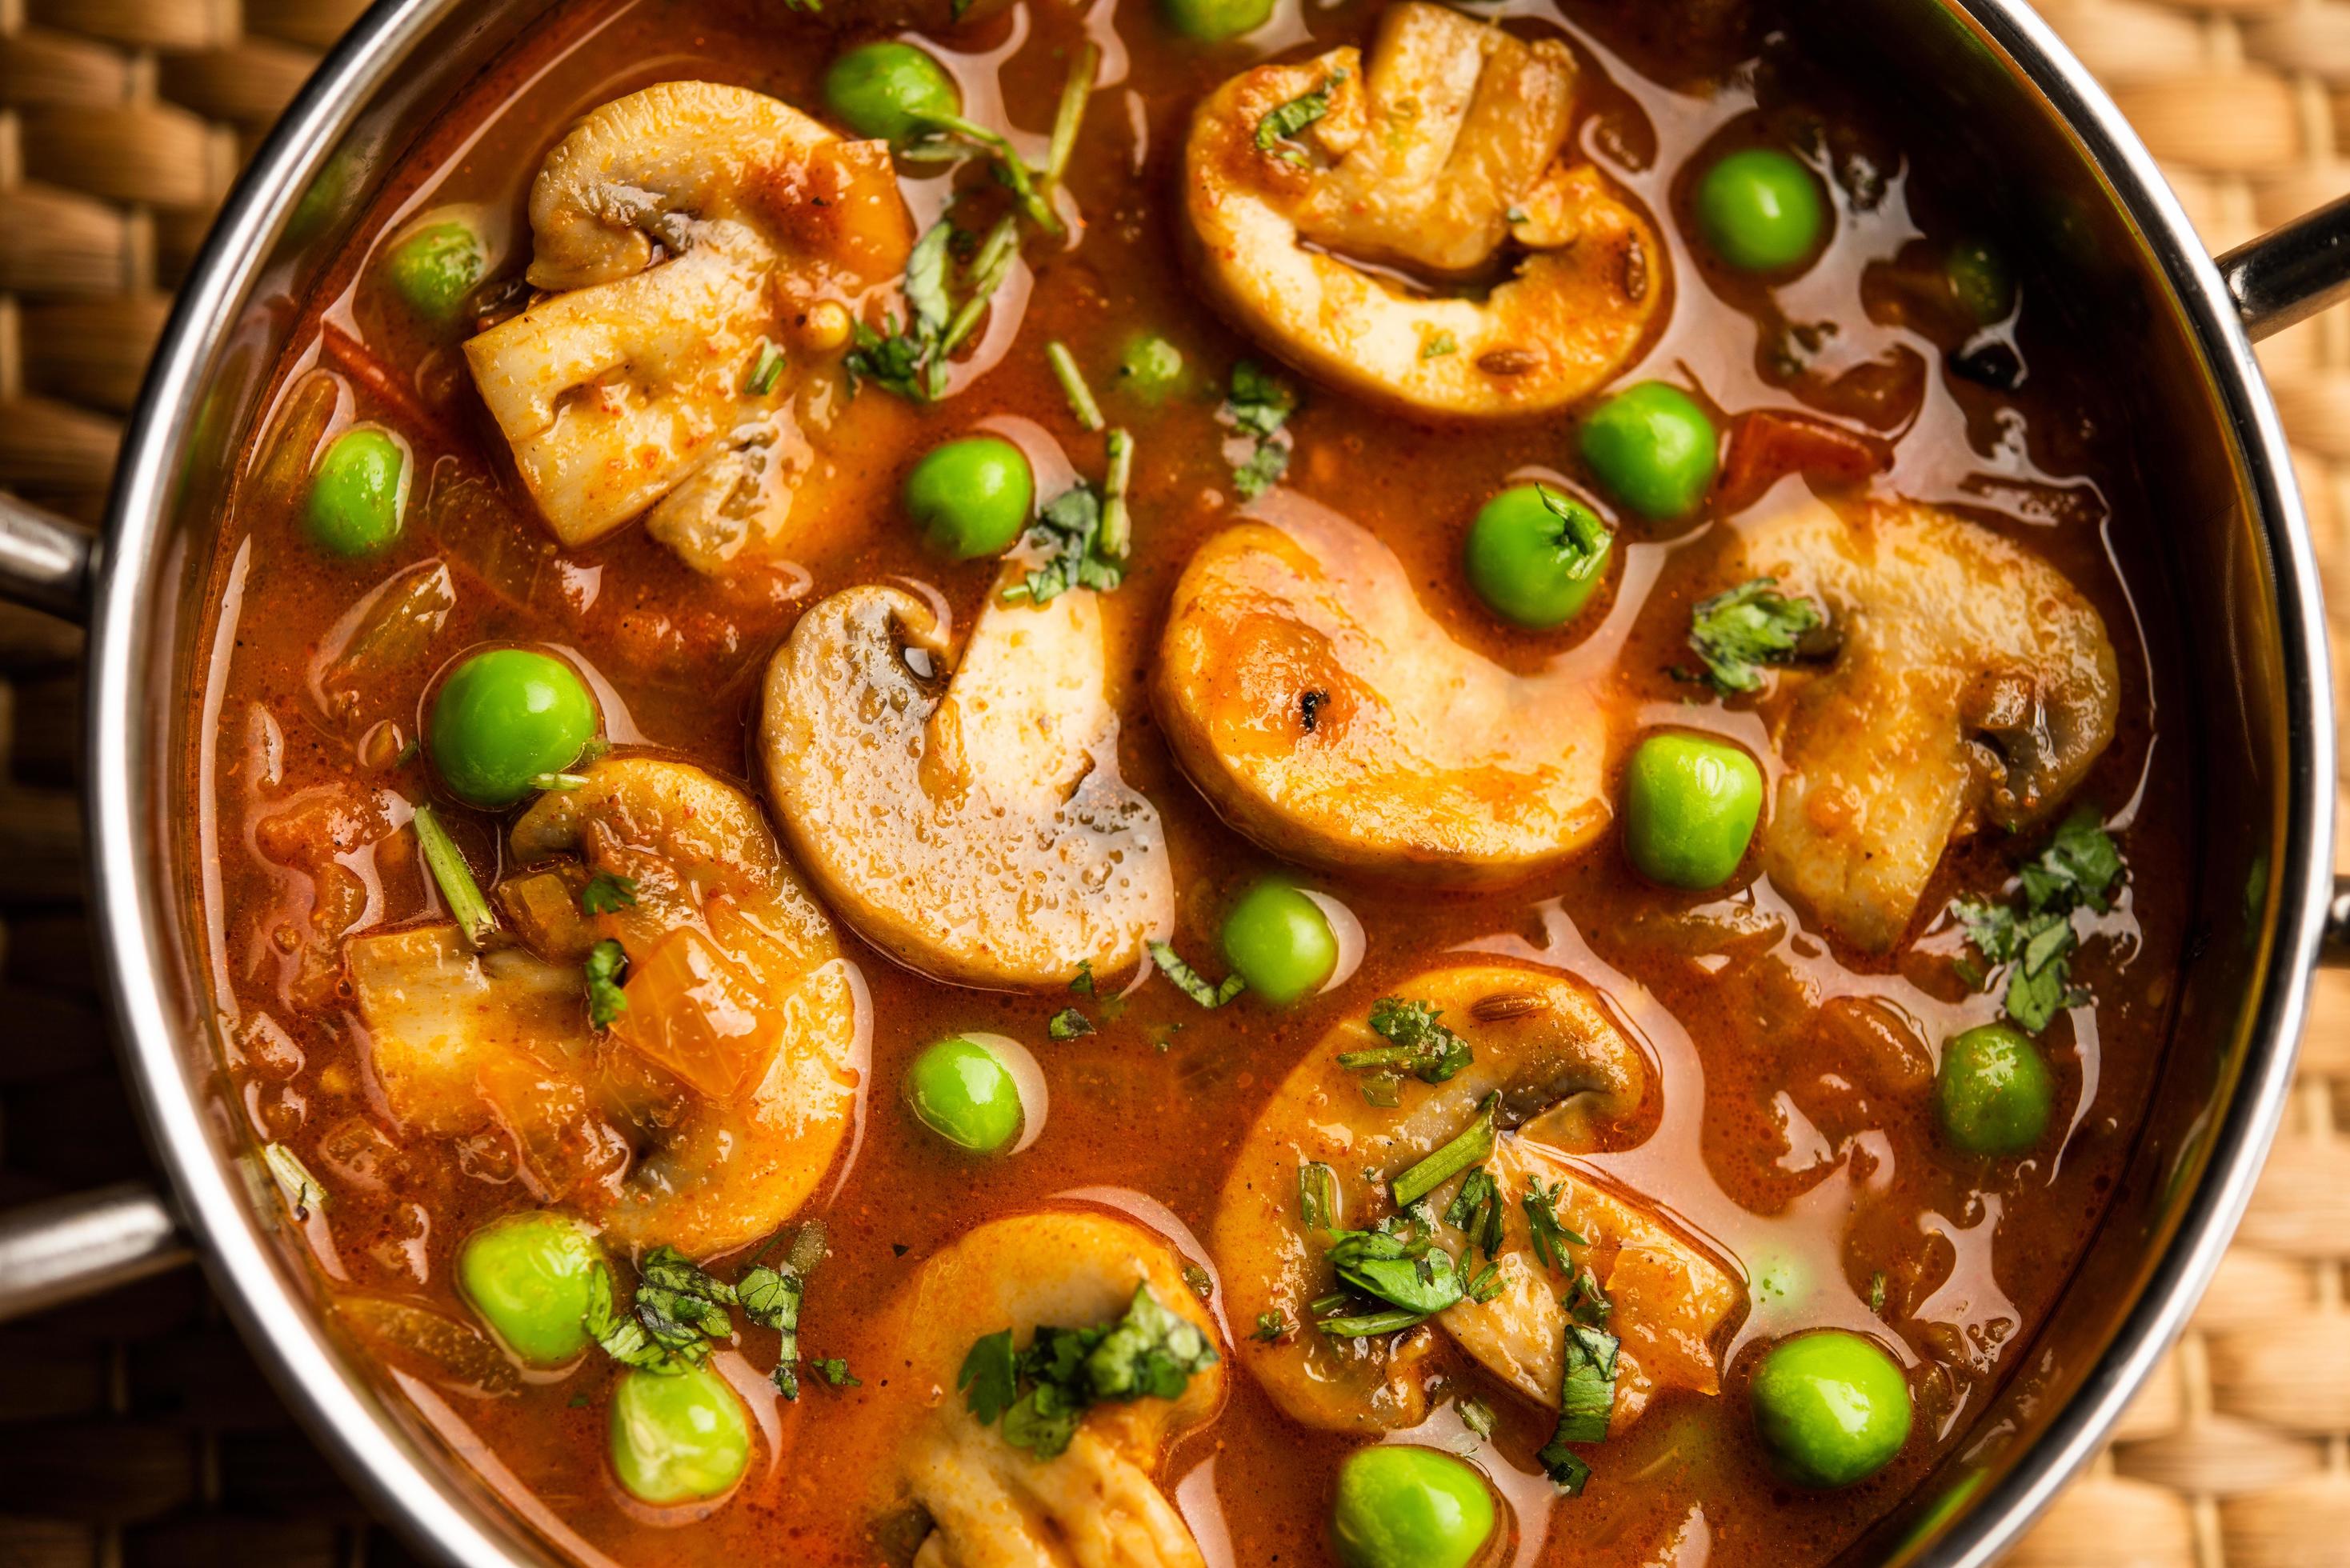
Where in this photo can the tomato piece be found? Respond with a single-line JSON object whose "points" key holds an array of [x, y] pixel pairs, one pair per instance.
{"points": [[1767, 445]]}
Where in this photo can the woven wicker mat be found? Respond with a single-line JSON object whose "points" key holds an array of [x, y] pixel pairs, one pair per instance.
{"points": [[136, 1430]]}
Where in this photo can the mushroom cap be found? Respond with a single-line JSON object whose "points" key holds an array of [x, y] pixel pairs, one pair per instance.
{"points": [[1972, 683], [1415, 758], [988, 1503], [966, 817], [1446, 155], [691, 231]]}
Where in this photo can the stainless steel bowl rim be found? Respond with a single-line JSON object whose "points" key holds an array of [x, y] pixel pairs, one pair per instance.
{"points": [[135, 927]]}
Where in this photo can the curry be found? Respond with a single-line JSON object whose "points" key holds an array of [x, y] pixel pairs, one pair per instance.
{"points": [[1185, 782]]}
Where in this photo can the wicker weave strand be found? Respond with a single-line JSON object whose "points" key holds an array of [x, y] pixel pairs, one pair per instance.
{"points": [[136, 1428]]}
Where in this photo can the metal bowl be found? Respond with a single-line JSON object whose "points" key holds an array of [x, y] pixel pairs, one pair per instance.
{"points": [[2237, 613]]}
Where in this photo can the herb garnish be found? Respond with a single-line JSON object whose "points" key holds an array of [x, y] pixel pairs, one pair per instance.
{"points": [[1258, 406], [1282, 124], [1416, 1042], [1317, 1198], [302, 1190], [768, 368], [1476, 1211], [607, 969], [1189, 981], [1550, 1237], [606, 892], [1737, 632], [1472, 1146], [912, 361], [2076, 870], [1041, 1393], [1084, 533], [1082, 406], [476, 922]]}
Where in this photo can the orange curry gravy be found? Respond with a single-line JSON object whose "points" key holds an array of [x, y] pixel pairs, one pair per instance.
{"points": [[1784, 1140]]}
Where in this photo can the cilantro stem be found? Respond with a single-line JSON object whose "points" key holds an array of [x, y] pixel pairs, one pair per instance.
{"points": [[475, 922], [1116, 533], [1076, 93], [1015, 167], [1370, 1324], [1072, 385], [987, 271], [1472, 1148]]}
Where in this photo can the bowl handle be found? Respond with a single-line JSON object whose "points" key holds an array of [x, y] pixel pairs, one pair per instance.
{"points": [[62, 1249], [2292, 271]]}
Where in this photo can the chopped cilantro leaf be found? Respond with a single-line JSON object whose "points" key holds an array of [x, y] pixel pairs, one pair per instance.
{"points": [[1416, 1042], [607, 891], [1550, 1237], [1476, 1210], [1258, 406], [1285, 122], [1189, 981], [2079, 867], [988, 1378], [1147, 1353], [1737, 632], [607, 967], [1069, 531]]}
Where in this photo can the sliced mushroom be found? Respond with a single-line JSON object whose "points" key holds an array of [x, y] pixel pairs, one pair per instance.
{"points": [[711, 250], [1327, 715], [1447, 155], [988, 1503], [715, 1100], [967, 818], [1564, 1075], [1972, 684]]}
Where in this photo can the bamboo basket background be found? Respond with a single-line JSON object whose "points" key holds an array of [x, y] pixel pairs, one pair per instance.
{"points": [[136, 1430]]}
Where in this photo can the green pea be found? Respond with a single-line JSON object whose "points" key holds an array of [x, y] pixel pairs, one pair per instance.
{"points": [[677, 1437], [506, 718], [527, 1275], [1760, 210], [1691, 805], [1832, 1407], [1993, 1091], [972, 496], [1981, 281], [1402, 1506], [436, 267], [1652, 447], [358, 496], [1152, 369], [1535, 556], [1212, 21], [961, 1091], [890, 92], [1279, 940]]}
